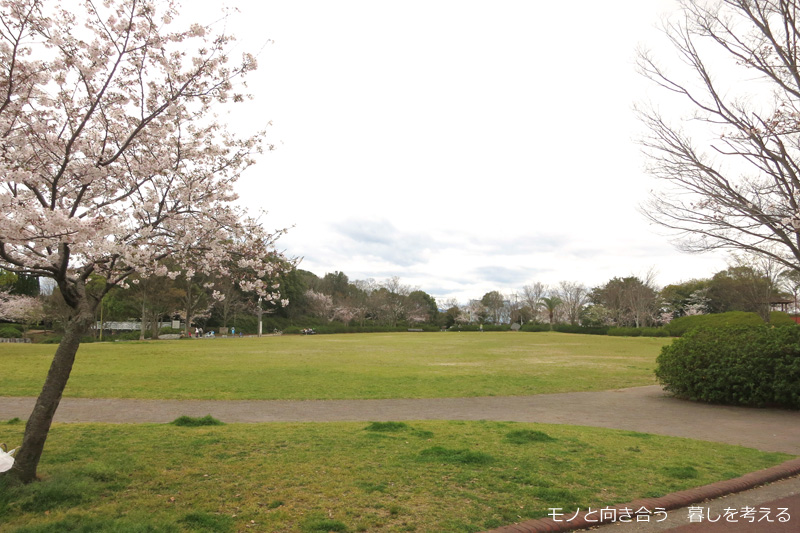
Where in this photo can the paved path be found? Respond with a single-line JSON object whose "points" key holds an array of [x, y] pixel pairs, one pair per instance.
{"points": [[776, 510], [772, 497], [645, 409]]}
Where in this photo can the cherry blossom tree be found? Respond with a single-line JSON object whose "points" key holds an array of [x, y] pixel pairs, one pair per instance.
{"points": [[112, 159], [320, 304], [26, 310], [345, 314]]}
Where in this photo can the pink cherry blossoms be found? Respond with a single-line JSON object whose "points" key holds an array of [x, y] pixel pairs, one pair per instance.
{"points": [[113, 161], [109, 159]]}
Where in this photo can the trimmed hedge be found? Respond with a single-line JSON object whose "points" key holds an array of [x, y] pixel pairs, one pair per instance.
{"points": [[681, 325], [585, 330], [535, 328], [337, 327], [564, 328], [734, 365], [479, 327]]}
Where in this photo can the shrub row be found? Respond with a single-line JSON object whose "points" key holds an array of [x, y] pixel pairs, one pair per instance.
{"points": [[735, 365], [341, 328], [637, 332], [564, 328], [479, 327], [126, 336], [568, 328], [676, 328]]}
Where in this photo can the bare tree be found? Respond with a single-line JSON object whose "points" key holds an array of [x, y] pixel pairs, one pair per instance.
{"points": [[574, 296], [196, 304], [789, 281], [515, 309], [763, 284], [532, 297], [730, 165], [630, 301], [393, 300], [643, 300], [156, 296], [361, 302]]}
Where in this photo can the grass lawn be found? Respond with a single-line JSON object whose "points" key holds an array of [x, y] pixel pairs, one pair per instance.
{"points": [[429, 476], [391, 365]]}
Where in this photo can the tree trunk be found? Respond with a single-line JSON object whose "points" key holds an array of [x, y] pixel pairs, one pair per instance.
{"points": [[38, 426], [143, 325], [156, 326], [189, 307]]}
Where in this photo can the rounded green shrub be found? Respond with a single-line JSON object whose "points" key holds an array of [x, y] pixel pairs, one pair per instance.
{"points": [[681, 325], [779, 318], [189, 421], [734, 365], [9, 332]]}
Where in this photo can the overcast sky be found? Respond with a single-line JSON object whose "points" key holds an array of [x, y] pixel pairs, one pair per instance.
{"points": [[464, 146]]}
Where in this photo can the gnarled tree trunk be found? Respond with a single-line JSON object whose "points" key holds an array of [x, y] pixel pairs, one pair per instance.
{"points": [[27, 459]]}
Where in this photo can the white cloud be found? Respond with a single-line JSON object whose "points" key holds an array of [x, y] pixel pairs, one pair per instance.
{"points": [[465, 146]]}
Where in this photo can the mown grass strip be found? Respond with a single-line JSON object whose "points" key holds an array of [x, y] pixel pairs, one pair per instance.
{"points": [[393, 365]]}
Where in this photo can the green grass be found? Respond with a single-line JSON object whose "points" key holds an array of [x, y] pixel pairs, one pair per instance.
{"points": [[427, 476], [393, 365], [189, 421], [192, 475]]}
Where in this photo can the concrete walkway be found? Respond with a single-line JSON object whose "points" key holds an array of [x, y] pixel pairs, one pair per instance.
{"points": [[709, 516], [644, 409]]}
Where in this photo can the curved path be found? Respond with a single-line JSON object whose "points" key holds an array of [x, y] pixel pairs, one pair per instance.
{"points": [[644, 409]]}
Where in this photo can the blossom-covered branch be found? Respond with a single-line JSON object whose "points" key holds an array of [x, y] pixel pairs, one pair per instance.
{"points": [[112, 159]]}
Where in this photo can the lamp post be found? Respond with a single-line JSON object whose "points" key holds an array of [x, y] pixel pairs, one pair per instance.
{"points": [[260, 312]]}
